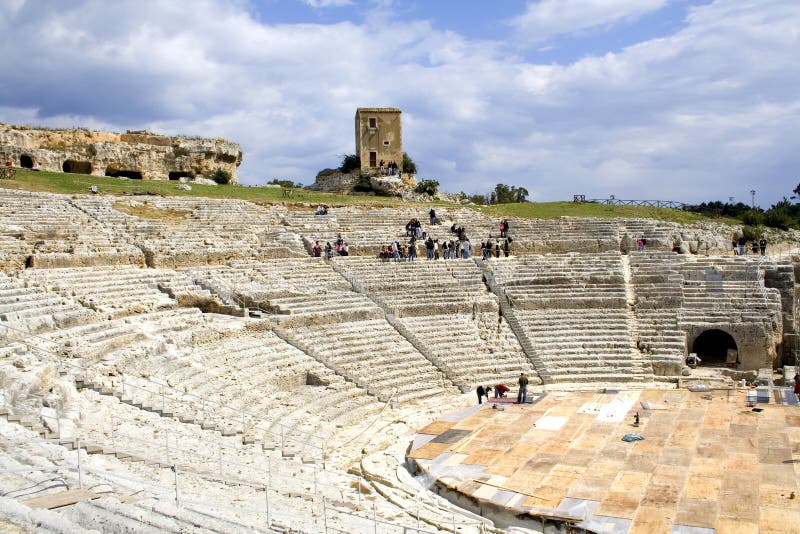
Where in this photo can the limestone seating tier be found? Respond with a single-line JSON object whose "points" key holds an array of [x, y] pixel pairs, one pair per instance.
{"points": [[59, 234], [385, 361], [113, 291], [33, 309], [455, 340], [222, 229], [420, 288], [258, 373]]}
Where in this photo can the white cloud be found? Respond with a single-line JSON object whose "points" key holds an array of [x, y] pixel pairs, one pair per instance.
{"points": [[547, 18], [328, 3], [703, 114]]}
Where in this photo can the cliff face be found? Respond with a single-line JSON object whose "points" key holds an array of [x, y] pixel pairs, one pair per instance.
{"points": [[141, 154]]}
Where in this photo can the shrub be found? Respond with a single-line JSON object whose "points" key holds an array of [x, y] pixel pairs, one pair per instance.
{"points": [[777, 218], [752, 218], [408, 165], [751, 233], [220, 175], [350, 163], [427, 187], [480, 200], [285, 183]]}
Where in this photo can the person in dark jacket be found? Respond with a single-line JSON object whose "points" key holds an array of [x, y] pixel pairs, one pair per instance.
{"points": [[481, 392]]}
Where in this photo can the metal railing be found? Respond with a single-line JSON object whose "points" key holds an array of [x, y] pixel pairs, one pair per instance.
{"points": [[620, 202]]}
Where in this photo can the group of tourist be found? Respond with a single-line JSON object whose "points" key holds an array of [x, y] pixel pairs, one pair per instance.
{"points": [[500, 391], [390, 168], [458, 248], [489, 246], [414, 229], [641, 244], [740, 246], [341, 247]]}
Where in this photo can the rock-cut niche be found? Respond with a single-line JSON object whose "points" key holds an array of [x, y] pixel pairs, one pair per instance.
{"points": [[76, 167], [123, 173], [25, 161]]}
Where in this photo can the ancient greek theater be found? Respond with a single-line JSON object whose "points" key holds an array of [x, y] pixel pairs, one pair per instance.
{"points": [[184, 364]]}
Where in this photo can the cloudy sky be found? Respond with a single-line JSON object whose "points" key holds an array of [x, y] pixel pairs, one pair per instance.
{"points": [[687, 100]]}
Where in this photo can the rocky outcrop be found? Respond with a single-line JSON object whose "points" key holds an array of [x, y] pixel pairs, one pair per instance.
{"points": [[134, 154], [334, 181]]}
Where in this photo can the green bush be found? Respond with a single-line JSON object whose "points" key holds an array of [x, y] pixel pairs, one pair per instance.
{"points": [[350, 163], [408, 165], [220, 175], [752, 218], [285, 183], [427, 187], [751, 233], [777, 219]]}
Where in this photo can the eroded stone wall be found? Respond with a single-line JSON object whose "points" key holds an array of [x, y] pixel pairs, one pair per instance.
{"points": [[134, 154]]}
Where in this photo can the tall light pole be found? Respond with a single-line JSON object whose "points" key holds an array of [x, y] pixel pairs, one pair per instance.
{"points": [[753, 198]]}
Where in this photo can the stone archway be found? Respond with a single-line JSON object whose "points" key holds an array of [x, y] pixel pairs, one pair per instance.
{"points": [[712, 346], [25, 161]]}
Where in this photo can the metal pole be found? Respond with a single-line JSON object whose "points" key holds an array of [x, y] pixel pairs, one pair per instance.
{"points": [[325, 514], [454, 524], [166, 445], [269, 472], [266, 499], [113, 436], [80, 470], [374, 519], [177, 495], [163, 401], [219, 447]]}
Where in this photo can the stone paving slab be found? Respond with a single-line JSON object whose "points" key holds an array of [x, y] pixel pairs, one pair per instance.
{"points": [[708, 463]]}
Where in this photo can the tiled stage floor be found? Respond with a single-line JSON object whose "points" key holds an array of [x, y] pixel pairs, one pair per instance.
{"points": [[708, 462]]}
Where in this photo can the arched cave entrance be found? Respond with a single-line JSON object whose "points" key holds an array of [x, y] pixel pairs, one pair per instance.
{"points": [[712, 346], [76, 167], [117, 173], [176, 175], [25, 161]]}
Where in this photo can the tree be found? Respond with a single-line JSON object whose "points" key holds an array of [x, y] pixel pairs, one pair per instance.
{"points": [[220, 175], [410, 167], [350, 163], [427, 187], [796, 192], [504, 194]]}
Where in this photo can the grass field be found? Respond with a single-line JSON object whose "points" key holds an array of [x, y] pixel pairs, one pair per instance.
{"points": [[80, 184]]}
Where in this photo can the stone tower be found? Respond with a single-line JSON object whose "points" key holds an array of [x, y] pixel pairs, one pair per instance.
{"points": [[379, 137]]}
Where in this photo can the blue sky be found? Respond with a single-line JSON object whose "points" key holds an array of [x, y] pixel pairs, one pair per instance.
{"points": [[644, 99]]}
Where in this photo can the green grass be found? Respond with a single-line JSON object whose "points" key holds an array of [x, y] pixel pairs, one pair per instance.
{"points": [[55, 182], [552, 210]]}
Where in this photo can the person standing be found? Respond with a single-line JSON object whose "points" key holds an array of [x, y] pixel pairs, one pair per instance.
{"points": [[317, 250], [432, 215], [735, 248], [481, 392], [742, 245], [522, 395], [797, 384], [762, 245]]}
